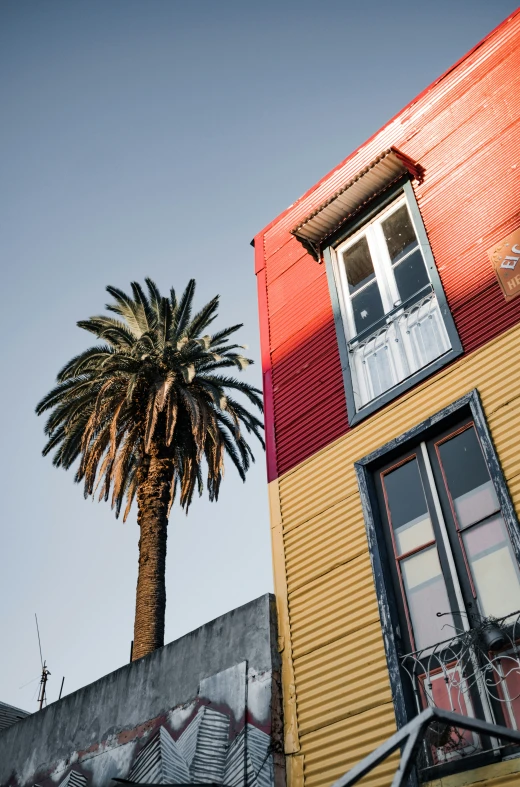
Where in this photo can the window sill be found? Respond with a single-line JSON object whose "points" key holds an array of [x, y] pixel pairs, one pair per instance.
{"points": [[402, 387]]}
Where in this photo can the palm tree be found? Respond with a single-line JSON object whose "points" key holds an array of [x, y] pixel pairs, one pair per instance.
{"points": [[150, 415]]}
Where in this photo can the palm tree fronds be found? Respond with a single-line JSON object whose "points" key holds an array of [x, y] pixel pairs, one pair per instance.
{"points": [[152, 386], [182, 314]]}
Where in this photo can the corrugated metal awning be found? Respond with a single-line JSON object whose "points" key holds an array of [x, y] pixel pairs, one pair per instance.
{"points": [[388, 167]]}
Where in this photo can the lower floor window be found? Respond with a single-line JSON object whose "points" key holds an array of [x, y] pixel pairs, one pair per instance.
{"points": [[455, 579]]}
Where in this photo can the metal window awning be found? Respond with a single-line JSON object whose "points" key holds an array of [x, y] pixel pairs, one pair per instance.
{"points": [[384, 170]]}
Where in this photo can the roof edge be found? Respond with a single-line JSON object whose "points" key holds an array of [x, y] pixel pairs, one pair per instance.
{"points": [[408, 164], [416, 98]]}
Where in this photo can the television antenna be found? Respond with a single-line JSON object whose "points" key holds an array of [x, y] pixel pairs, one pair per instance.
{"points": [[45, 672]]}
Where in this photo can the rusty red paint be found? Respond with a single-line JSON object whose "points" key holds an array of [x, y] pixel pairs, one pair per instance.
{"points": [[465, 131]]}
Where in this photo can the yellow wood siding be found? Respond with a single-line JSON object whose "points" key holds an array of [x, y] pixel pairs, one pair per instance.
{"points": [[503, 774], [333, 658]]}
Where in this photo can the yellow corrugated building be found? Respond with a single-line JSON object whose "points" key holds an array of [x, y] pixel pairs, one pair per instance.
{"points": [[390, 334]]}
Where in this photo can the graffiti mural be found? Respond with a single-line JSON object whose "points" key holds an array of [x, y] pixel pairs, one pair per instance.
{"points": [[223, 736], [203, 753]]}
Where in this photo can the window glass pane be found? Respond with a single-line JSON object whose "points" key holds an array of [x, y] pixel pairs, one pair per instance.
{"points": [[449, 690], [399, 233], [426, 595], [509, 666], [411, 275], [358, 265], [477, 504], [424, 327], [409, 515], [379, 366], [367, 306], [494, 568], [468, 478]]}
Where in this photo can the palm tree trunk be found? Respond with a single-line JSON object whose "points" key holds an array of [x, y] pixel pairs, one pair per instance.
{"points": [[153, 498]]}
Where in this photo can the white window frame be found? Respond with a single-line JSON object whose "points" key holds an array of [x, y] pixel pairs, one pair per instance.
{"points": [[399, 369], [381, 261]]}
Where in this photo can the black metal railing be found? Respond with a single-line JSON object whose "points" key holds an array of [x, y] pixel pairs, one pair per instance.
{"points": [[482, 662], [412, 738]]}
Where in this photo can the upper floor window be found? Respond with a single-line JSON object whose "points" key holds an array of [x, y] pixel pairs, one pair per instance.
{"points": [[394, 316]]}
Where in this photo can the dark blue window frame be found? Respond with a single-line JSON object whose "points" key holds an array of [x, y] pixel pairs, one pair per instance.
{"points": [[365, 468]]}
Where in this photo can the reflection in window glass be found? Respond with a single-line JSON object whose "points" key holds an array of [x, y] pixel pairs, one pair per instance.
{"points": [[367, 306], [409, 513], [494, 567], [411, 275], [468, 478], [477, 504], [426, 595], [358, 265], [452, 695], [399, 233]]}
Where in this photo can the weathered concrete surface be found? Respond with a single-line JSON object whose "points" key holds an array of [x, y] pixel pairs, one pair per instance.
{"points": [[142, 690]]}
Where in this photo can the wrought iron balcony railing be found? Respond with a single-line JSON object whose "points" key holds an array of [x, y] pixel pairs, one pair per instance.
{"points": [[401, 310], [406, 339], [411, 739], [475, 673]]}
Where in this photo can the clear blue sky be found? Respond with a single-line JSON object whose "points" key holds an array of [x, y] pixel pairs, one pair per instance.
{"points": [[155, 138]]}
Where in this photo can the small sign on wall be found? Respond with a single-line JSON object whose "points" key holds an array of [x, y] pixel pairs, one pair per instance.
{"points": [[505, 259]]}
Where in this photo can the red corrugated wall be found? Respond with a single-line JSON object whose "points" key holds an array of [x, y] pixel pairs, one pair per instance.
{"points": [[465, 131]]}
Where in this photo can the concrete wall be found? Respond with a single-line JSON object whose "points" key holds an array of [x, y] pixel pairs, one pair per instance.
{"points": [[169, 687]]}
